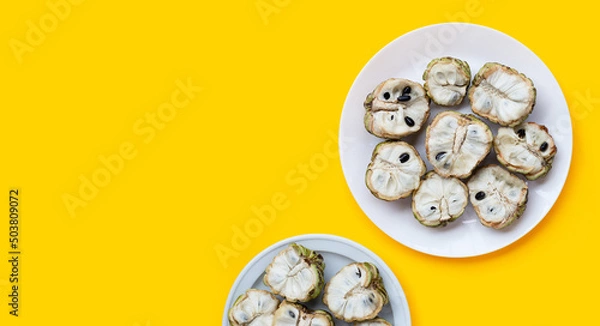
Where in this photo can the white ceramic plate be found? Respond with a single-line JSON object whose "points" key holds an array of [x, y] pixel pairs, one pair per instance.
{"points": [[337, 253], [407, 57]]}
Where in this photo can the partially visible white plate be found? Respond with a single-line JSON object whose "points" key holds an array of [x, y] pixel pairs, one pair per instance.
{"points": [[337, 252], [407, 57]]}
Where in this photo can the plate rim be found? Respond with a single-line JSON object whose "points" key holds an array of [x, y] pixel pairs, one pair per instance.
{"points": [[342, 134], [318, 236]]}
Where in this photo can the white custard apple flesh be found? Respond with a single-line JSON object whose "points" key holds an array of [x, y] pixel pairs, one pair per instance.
{"points": [[396, 108], [356, 293], [296, 274], [253, 308], [446, 80], [294, 314], [395, 170], [498, 197], [502, 95], [439, 200], [527, 149], [456, 143], [374, 322]]}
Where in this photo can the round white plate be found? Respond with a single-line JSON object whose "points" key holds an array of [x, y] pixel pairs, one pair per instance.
{"points": [[407, 57], [337, 252]]}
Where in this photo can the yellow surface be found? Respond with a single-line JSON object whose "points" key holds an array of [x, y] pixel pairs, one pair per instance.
{"points": [[141, 249]]}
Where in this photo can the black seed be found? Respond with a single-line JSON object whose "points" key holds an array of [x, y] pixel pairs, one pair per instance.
{"points": [[386, 95], [370, 300], [358, 273], [432, 208], [440, 156], [410, 122], [406, 90], [392, 117], [521, 133], [480, 195], [292, 314], [404, 157], [544, 147], [403, 98]]}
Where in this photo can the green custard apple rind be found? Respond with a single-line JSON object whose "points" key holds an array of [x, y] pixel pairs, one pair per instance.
{"points": [[450, 204], [304, 262], [358, 286], [502, 95], [528, 149], [446, 80]]}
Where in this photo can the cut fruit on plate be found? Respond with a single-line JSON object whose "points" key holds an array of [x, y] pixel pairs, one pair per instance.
{"points": [[395, 170], [456, 143], [499, 197], [374, 322], [502, 95], [438, 200], [296, 274], [253, 308], [337, 252], [396, 108], [527, 149], [356, 293], [294, 314], [407, 57], [446, 80]]}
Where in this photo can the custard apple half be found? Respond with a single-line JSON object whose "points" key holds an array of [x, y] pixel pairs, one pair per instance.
{"points": [[502, 95], [296, 274], [527, 149], [439, 200], [374, 322], [456, 143], [396, 108], [395, 170], [294, 314], [253, 308], [497, 196], [356, 293], [446, 80]]}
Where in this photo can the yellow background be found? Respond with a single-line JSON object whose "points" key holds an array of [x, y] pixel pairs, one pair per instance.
{"points": [[142, 252]]}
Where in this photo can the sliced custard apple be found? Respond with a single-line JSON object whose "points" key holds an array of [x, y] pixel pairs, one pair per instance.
{"points": [[356, 293], [253, 308], [296, 274], [456, 143], [294, 314], [439, 200], [527, 149], [374, 322], [446, 80], [395, 170], [502, 95], [497, 196], [396, 108]]}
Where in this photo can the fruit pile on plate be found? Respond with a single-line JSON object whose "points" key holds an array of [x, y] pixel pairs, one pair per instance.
{"points": [[295, 276], [456, 143]]}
